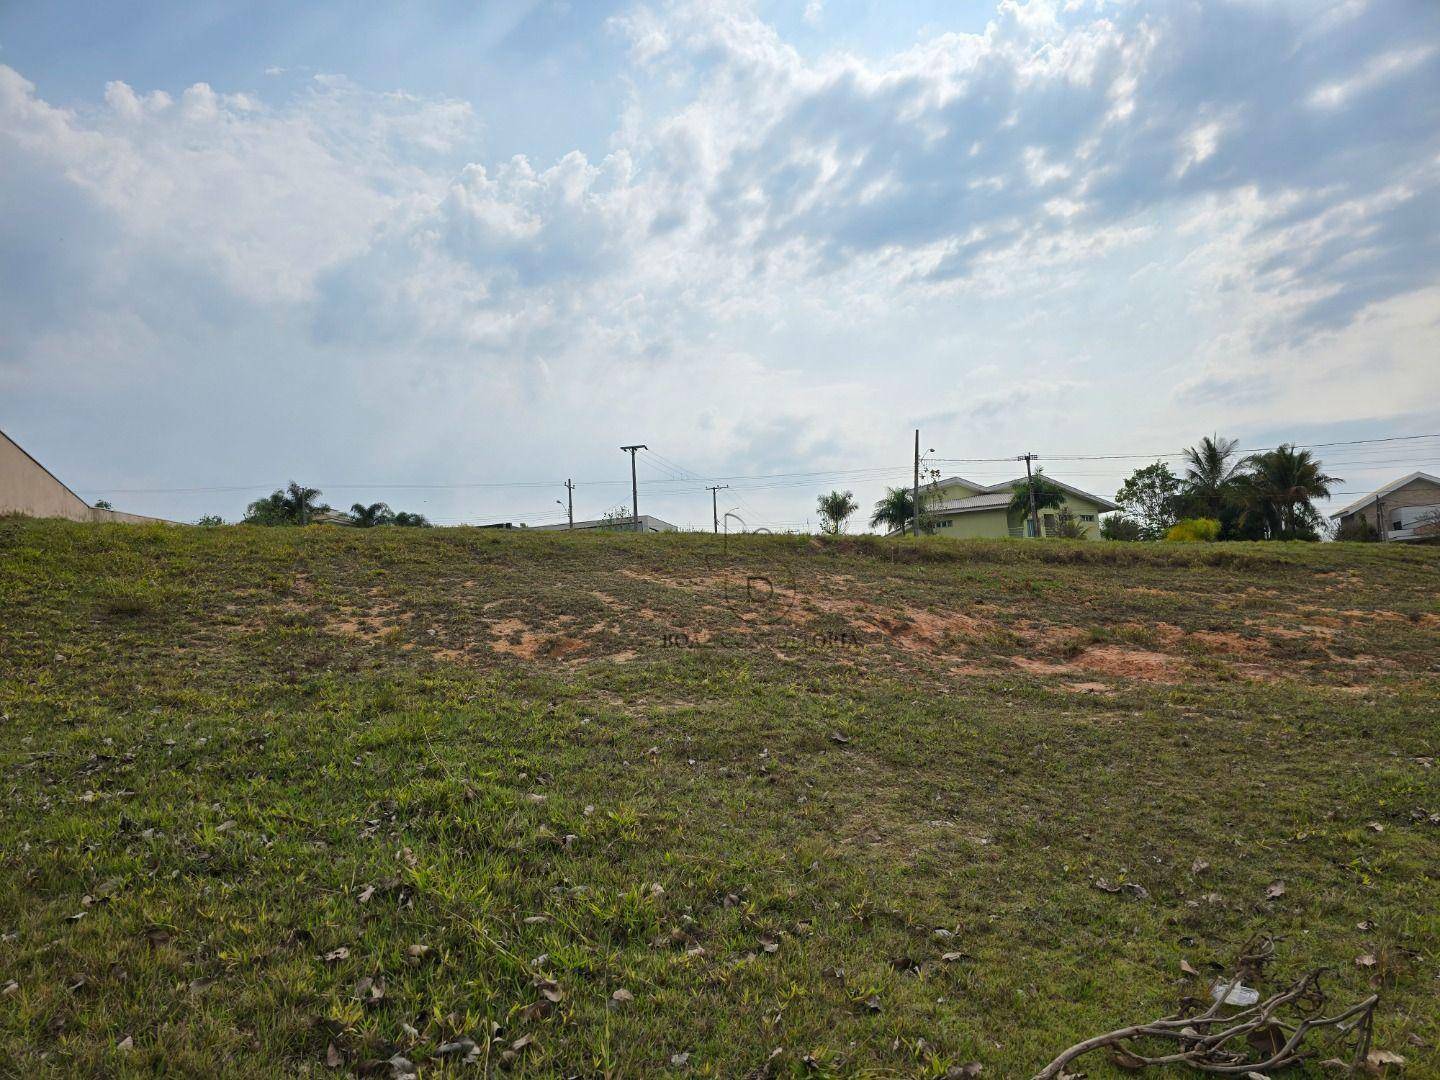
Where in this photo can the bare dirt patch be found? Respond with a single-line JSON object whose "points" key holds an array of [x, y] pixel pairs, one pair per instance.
{"points": [[1131, 663], [1228, 643], [533, 646], [1042, 667], [1089, 688]]}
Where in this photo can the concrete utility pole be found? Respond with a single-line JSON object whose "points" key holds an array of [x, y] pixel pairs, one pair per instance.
{"points": [[1030, 483], [570, 502], [915, 492], [714, 502], [634, 488]]}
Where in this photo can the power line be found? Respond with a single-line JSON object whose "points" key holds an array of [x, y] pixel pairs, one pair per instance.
{"points": [[678, 474]]}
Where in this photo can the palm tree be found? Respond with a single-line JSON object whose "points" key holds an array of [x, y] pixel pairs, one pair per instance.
{"points": [[1048, 495], [294, 505], [299, 505], [834, 509], [1276, 490], [411, 521], [367, 517], [895, 511], [1210, 475]]}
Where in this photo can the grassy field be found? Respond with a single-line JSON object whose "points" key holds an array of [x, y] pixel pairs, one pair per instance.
{"points": [[286, 801]]}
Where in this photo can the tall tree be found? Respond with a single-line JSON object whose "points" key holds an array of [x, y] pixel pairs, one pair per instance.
{"points": [[301, 505], [1150, 497], [1209, 482], [895, 511], [1048, 495], [1277, 489], [406, 520], [367, 517], [293, 505], [834, 509]]}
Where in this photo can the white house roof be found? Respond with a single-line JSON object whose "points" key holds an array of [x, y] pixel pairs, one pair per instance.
{"points": [[1380, 493], [1009, 486], [997, 496]]}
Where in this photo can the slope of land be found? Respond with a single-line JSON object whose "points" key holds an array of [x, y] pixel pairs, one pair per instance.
{"points": [[288, 801]]}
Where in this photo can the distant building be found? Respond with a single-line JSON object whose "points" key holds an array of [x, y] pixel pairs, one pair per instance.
{"points": [[28, 488], [958, 507], [625, 524], [1407, 509]]}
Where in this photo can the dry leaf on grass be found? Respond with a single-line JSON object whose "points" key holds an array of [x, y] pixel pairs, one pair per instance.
{"points": [[1380, 1062], [458, 1048]]}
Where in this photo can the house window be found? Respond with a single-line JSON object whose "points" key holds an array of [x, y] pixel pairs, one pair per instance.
{"points": [[1087, 517]]}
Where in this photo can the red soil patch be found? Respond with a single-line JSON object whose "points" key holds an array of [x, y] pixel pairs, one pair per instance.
{"points": [[1113, 660], [532, 646], [1130, 663], [1041, 667], [1230, 644]]}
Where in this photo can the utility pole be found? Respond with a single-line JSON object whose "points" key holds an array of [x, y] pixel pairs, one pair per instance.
{"points": [[915, 491], [1379, 520], [570, 502], [714, 502], [634, 488], [1030, 483]]}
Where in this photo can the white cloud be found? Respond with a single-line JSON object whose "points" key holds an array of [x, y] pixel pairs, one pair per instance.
{"points": [[1375, 72]]}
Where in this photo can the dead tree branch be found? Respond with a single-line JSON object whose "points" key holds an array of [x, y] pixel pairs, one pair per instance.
{"points": [[1269, 1034]]}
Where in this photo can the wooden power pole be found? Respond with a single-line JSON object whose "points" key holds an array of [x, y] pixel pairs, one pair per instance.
{"points": [[634, 488], [715, 502], [570, 502]]}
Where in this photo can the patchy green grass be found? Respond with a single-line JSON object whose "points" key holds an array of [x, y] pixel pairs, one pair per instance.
{"points": [[290, 801]]}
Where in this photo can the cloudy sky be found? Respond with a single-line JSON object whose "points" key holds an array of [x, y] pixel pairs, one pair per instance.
{"points": [[449, 255]]}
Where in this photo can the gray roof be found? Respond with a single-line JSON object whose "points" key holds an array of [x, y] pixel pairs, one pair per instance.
{"points": [[648, 523], [1380, 493], [997, 501]]}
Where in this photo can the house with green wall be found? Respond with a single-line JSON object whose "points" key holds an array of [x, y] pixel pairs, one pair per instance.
{"points": [[962, 508]]}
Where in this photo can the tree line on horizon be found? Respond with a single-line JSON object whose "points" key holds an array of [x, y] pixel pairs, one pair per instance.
{"points": [[1269, 495], [298, 505]]}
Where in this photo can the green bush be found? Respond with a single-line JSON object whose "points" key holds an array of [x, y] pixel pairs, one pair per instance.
{"points": [[1120, 527], [1194, 530]]}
